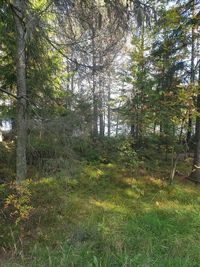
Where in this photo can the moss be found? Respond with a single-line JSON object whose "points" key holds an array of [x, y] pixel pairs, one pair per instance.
{"points": [[106, 218]]}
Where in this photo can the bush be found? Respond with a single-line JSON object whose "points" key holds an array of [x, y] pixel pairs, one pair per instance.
{"points": [[128, 155], [30, 204], [16, 202], [15, 205]]}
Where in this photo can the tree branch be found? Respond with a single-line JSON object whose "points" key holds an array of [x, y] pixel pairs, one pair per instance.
{"points": [[8, 93]]}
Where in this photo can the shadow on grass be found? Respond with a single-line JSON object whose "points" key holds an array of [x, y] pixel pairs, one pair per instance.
{"points": [[107, 218]]}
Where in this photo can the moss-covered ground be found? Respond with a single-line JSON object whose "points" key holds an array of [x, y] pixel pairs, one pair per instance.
{"points": [[106, 218]]}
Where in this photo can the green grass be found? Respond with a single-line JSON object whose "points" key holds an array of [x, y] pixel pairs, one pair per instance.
{"points": [[106, 218]]}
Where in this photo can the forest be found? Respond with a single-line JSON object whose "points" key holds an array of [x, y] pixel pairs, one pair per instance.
{"points": [[100, 133]]}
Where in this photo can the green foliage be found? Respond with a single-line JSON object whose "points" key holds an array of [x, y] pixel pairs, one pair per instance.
{"points": [[25, 205], [17, 204], [7, 164], [99, 201], [106, 150], [96, 149], [127, 154], [126, 222]]}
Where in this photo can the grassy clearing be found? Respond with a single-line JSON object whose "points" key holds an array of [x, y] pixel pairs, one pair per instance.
{"points": [[107, 218]]}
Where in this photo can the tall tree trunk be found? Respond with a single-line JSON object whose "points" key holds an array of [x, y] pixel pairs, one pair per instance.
{"points": [[18, 8], [118, 112], [142, 87], [192, 71], [101, 114], [117, 125], [137, 124], [1, 134], [101, 99], [95, 106], [101, 119], [109, 108], [195, 175], [94, 93]]}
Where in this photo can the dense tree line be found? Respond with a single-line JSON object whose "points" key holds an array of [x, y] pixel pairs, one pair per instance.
{"points": [[69, 70]]}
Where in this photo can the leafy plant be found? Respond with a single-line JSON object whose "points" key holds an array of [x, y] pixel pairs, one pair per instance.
{"points": [[128, 155]]}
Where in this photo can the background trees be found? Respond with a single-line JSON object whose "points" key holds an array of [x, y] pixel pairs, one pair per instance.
{"points": [[99, 109], [81, 76]]}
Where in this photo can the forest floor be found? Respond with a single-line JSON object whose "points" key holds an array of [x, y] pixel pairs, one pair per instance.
{"points": [[109, 218]]}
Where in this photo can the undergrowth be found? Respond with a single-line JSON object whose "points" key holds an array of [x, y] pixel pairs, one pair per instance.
{"points": [[105, 217]]}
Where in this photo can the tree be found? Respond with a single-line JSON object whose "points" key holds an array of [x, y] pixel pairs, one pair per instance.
{"points": [[19, 9], [195, 175], [192, 69]]}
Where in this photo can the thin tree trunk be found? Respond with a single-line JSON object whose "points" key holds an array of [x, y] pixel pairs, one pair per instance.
{"points": [[192, 75], [141, 96], [101, 97], [137, 124], [101, 115], [101, 120], [175, 159], [161, 128], [118, 112], [95, 108], [154, 127], [109, 108], [94, 93], [132, 130], [189, 129], [195, 175], [117, 125], [1, 134], [18, 9]]}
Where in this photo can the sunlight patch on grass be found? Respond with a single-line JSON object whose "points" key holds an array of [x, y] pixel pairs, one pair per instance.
{"points": [[133, 194], [176, 208], [108, 206], [129, 180], [92, 172], [107, 218]]}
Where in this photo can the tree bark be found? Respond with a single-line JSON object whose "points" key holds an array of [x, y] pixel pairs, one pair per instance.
{"points": [[101, 115], [95, 107], [192, 72], [18, 9], [109, 108], [101, 100], [94, 93], [195, 175]]}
